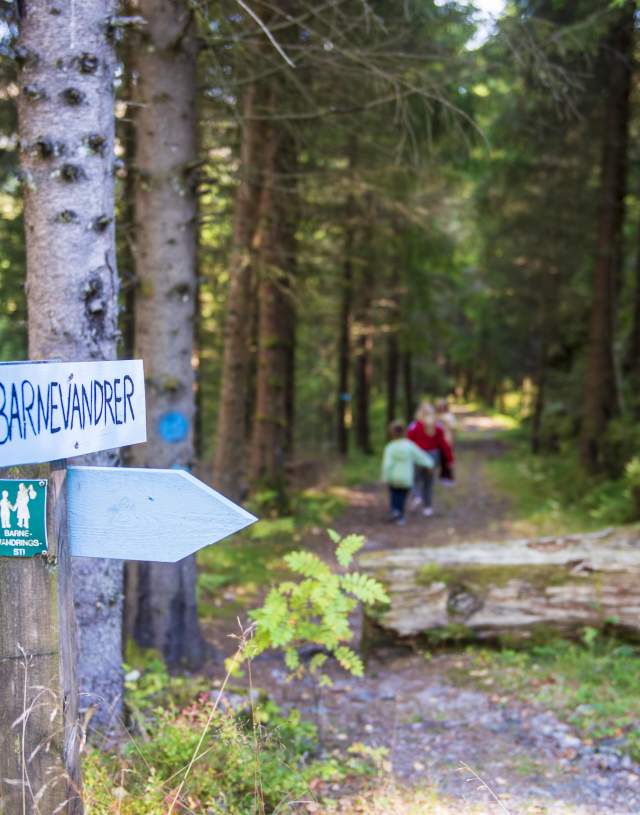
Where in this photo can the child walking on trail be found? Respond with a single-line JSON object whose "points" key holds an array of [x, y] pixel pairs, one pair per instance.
{"points": [[429, 436], [401, 457], [447, 422]]}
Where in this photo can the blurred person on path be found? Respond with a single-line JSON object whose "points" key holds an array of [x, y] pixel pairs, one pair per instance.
{"points": [[429, 436], [447, 421], [400, 460]]}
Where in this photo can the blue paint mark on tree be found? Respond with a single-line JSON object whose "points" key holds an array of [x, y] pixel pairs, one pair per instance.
{"points": [[173, 426]]}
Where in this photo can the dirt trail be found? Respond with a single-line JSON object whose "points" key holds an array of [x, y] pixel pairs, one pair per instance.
{"points": [[472, 509], [534, 763]]}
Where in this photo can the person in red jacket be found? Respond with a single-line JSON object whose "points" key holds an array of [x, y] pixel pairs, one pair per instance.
{"points": [[430, 437]]}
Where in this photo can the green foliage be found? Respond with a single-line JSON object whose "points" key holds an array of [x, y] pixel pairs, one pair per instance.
{"points": [[553, 495], [149, 686], [359, 469], [347, 547], [253, 756], [255, 558], [595, 685], [315, 609], [245, 764], [272, 527]]}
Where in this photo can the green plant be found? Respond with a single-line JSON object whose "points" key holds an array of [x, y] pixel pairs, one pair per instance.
{"points": [[551, 493], [243, 765], [150, 687], [226, 750], [315, 609], [254, 558]]}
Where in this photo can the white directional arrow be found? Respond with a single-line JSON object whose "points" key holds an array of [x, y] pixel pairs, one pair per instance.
{"points": [[142, 514]]}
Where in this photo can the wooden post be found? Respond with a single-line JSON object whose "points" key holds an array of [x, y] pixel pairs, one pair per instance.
{"points": [[40, 735]]}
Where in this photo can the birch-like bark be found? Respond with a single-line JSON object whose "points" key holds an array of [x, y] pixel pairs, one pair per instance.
{"points": [[66, 114], [165, 614]]}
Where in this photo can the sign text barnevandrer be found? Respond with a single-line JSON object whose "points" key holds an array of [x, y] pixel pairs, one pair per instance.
{"points": [[58, 410]]}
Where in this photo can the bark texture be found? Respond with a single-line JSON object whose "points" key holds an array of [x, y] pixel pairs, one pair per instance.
{"points": [[601, 391], [392, 376], [407, 380], [632, 361], [275, 242], [539, 403], [363, 372], [229, 468], [344, 361], [165, 615], [38, 649], [513, 589], [363, 331], [66, 121], [344, 340]]}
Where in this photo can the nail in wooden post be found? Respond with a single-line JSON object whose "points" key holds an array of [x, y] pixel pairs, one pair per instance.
{"points": [[40, 736]]}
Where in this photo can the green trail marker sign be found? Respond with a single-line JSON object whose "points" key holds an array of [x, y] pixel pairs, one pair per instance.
{"points": [[23, 517]]}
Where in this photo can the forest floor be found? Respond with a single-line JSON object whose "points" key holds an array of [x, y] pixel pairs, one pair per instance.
{"points": [[455, 737]]}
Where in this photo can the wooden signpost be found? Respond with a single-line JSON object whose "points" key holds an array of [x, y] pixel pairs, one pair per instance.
{"points": [[50, 412]]}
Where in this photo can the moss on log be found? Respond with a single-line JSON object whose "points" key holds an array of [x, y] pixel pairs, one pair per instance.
{"points": [[512, 590]]}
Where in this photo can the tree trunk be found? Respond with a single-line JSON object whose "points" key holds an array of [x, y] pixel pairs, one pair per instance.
{"points": [[290, 374], [344, 342], [363, 347], [536, 420], [229, 468], [392, 376], [126, 133], [409, 396], [66, 112], [166, 270], [601, 392], [288, 228], [632, 361], [513, 589], [538, 407], [275, 293]]}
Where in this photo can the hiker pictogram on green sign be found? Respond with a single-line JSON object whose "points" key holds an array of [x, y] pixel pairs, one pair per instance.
{"points": [[23, 517]]}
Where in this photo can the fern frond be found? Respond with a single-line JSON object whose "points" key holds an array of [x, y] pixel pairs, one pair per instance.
{"points": [[335, 536], [317, 661], [347, 548], [365, 588], [291, 659], [307, 564], [349, 660]]}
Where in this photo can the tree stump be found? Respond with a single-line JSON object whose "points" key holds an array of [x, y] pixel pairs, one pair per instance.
{"points": [[514, 590]]}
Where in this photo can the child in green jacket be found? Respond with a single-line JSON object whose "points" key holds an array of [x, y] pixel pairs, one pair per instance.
{"points": [[398, 464]]}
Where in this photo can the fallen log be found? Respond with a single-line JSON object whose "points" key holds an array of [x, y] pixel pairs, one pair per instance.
{"points": [[511, 591]]}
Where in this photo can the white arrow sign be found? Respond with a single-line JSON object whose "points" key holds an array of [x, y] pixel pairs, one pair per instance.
{"points": [[54, 410], [143, 514]]}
